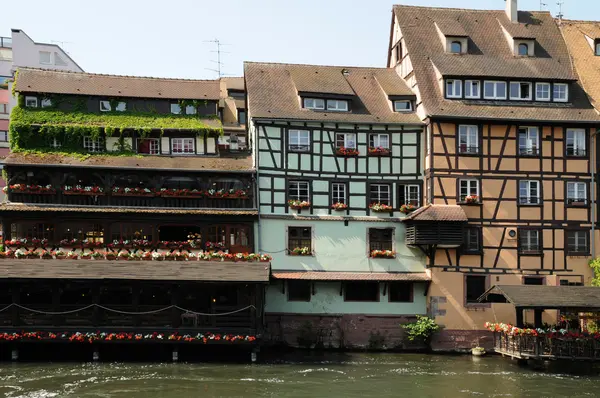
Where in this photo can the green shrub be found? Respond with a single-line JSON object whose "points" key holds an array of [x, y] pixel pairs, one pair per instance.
{"points": [[421, 330]]}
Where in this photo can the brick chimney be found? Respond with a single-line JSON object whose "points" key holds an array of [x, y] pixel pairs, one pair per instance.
{"points": [[511, 10]]}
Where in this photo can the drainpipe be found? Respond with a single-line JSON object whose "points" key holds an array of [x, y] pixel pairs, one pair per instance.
{"points": [[593, 191]]}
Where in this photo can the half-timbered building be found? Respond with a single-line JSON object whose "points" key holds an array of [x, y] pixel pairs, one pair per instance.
{"points": [[125, 213], [508, 135], [338, 157]]}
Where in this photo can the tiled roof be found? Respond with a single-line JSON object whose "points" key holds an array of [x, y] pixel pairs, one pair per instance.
{"points": [[21, 207], [209, 271], [587, 64], [352, 276], [489, 54], [430, 212], [188, 163], [550, 297], [273, 92], [63, 82]]}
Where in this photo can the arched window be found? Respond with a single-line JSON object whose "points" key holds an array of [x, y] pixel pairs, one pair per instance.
{"points": [[523, 49], [456, 47]]}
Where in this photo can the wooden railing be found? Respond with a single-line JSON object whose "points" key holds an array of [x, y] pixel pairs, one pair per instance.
{"points": [[547, 346]]}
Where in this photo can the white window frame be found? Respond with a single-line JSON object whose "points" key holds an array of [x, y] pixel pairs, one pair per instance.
{"points": [[579, 142], [93, 145], [3, 135], [154, 145], [528, 186], [528, 150], [182, 142], [348, 138], [383, 197], [105, 106], [548, 86], [302, 136], [46, 102], [558, 85], [519, 49], [456, 84], [578, 235], [467, 131], [469, 92], [412, 195], [339, 192], [520, 91], [31, 98], [468, 187], [313, 103], [298, 187], [495, 96], [376, 137], [175, 109], [578, 190], [191, 110], [397, 102], [337, 107], [49, 57], [532, 245]]}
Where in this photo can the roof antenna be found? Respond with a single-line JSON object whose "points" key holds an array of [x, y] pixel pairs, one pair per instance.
{"points": [[560, 15], [542, 5], [218, 61]]}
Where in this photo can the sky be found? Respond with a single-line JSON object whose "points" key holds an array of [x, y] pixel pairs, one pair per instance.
{"points": [[171, 38]]}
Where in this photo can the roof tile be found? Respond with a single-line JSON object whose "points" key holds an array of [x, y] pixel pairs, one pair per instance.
{"points": [[351, 276], [451, 213]]}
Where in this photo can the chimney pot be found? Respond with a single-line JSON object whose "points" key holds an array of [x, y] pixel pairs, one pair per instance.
{"points": [[512, 10]]}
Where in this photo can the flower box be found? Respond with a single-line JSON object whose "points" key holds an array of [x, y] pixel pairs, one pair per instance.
{"points": [[471, 200], [60, 256], [383, 254], [86, 256], [381, 208], [347, 152], [300, 251], [339, 206], [379, 151], [407, 208], [82, 193], [298, 204], [110, 256], [144, 192], [30, 189]]}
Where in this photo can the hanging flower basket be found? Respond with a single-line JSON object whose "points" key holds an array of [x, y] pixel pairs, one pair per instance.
{"points": [[407, 208], [339, 206], [379, 151], [380, 208], [298, 204], [347, 152], [383, 254]]}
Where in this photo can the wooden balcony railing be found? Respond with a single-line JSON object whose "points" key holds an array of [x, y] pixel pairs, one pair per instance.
{"points": [[545, 346]]}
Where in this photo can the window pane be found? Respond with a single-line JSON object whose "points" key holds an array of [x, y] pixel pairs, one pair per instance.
{"points": [[299, 290], [401, 292], [361, 291], [475, 287], [175, 109], [456, 47]]}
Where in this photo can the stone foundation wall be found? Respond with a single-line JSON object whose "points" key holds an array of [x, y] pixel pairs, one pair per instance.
{"points": [[462, 340], [338, 331]]}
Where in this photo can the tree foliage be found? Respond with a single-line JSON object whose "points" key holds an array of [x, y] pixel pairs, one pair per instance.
{"points": [[422, 329]]}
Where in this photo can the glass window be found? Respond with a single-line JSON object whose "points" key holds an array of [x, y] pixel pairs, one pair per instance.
{"points": [[561, 92], [542, 91], [299, 140], [105, 106], [494, 90], [400, 292], [402, 106], [379, 141], [46, 102], [345, 140], [298, 190], [58, 60], [529, 141], [175, 109], [121, 106], [361, 291], [529, 192], [314, 103], [182, 145], [148, 146], [45, 57], [576, 192], [529, 240], [456, 47], [475, 286], [299, 237], [299, 290], [241, 116], [472, 240], [453, 88], [409, 194], [31, 102], [598, 47], [190, 110], [3, 136], [520, 91], [380, 193], [381, 239], [523, 49], [93, 145], [469, 188], [533, 280], [338, 192], [576, 142], [577, 242], [468, 139], [472, 89], [337, 105]]}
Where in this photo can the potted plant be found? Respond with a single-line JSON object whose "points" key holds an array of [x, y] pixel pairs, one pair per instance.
{"points": [[46, 255], [264, 258], [169, 256], [478, 351], [380, 207], [383, 254], [298, 204], [123, 255], [110, 255], [379, 151], [300, 251], [212, 246], [71, 255], [146, 256], [471, 199], [180, 256], [97, 255], [135, 257], [339, 206], [346, 152], [21, 253], [407, 208], [59, 254], [156, 256], [86, 255]]}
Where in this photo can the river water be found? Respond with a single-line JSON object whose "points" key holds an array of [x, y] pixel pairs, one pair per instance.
{"points": [[347, 375]]}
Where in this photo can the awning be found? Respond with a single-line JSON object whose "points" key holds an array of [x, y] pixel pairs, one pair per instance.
{"points": [[449, 213], [209, 271], [544, 297], [352, 276]]}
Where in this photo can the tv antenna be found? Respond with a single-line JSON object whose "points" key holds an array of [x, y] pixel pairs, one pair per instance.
{"points": [[560, 13], [62, 44], [542, 5], [218, 69]]}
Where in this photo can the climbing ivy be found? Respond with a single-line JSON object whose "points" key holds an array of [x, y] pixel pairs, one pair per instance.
{"points": [[595, 266]]}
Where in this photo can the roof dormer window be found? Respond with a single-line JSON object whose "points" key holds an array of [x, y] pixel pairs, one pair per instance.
{"points": [[523, 49], [402, 106], [456, 47], [560, 92], [453, 88], [520, 91], [337, 105], [314, 103], [321, 104], [597, 47]]}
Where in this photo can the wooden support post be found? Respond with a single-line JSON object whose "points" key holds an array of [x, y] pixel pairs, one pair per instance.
{"points": [[537, 318], [519, 317]]}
